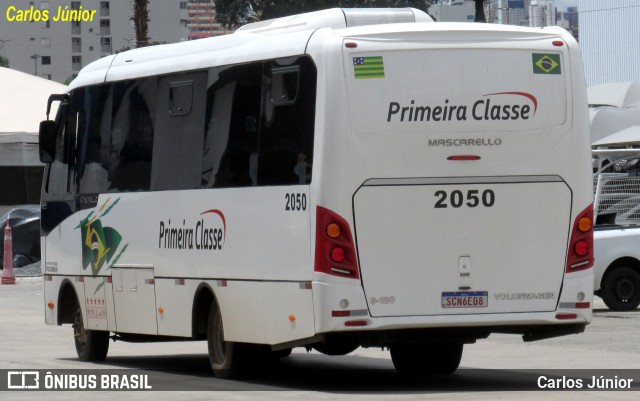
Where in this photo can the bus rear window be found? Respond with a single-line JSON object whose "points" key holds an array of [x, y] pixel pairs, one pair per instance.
{"points": [[457, 90]]}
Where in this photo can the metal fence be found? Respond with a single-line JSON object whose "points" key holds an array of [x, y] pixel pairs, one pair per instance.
{"points": [[617, 199]]}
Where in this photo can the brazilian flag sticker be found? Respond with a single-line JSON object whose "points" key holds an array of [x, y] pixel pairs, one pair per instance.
{"points": [[546, 63], [99, 245]]}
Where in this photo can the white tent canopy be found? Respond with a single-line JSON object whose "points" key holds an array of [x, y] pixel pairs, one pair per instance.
{"points": [[627, 136], [609, 120], [617, 94], [613, 108], [22, 106]]}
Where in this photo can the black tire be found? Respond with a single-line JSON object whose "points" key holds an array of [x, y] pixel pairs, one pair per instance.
{"points": [[421, 360], [335, 348], [226, 357], [283, 353], [621, 289], [91, 345]]}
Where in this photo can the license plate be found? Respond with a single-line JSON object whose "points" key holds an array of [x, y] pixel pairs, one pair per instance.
{"points": [[468, 299]]}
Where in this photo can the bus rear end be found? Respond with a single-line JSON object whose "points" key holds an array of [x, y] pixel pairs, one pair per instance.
{"points": [[466, 164]]}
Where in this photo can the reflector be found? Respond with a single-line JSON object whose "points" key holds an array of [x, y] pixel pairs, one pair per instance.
{"points": [[566, 316], [353, 323], [463, 157]]}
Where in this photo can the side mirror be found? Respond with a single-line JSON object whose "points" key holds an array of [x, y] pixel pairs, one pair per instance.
{"points": [[47, 141], [48, 131]]}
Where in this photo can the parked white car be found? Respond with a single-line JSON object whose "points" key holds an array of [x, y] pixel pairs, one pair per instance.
{"points": [[617, 266]]}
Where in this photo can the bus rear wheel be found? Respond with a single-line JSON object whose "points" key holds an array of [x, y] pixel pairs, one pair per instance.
{"points": [[419, 360], [91, 345], [225, 357]]}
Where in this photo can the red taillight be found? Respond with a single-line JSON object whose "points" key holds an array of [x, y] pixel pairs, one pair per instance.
{"points": [[337, 255], [581, 248], [335, 250], [580, 256]]}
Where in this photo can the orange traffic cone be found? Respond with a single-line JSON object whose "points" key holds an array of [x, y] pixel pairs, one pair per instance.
{"points": [[7, 267]]}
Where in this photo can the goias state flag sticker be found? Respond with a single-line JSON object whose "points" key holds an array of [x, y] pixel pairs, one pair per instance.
{"points": [[368, 67]]}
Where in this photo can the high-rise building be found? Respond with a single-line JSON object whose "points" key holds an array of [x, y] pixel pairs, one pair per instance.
{"points": [[511, 12], [453, 11], [571, 15], [57, 48], [202, 20], [542, 13]]}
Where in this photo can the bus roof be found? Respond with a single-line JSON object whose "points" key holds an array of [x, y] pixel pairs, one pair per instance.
{"points": [[255, 41], [250, 42]]}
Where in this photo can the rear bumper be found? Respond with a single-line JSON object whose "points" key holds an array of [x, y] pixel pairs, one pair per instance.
{"points": [[572, 314], [449, 335]]}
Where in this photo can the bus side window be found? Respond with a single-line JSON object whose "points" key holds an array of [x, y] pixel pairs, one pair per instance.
{"points": [[286, 135], [252, 138], [132, 135], [93, 143], [231, 138], [178, 137], [216, 131]]}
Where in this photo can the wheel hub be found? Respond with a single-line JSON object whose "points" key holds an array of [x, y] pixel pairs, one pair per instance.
{"points": [[625, 289]]}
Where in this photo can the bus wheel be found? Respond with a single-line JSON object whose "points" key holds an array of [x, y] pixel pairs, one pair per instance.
{"points": [[421, 359], [621, 289], [334, 348], [225, 356], [91, 345], [283, 353]]}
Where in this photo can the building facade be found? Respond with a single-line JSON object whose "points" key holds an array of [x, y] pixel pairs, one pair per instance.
{"points": [[609, 40], [54, 39], [201, 20], [453, 11], [571, 15], [512, 12], [542, 13]]}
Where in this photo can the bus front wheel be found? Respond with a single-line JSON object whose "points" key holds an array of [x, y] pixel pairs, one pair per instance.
{"points": [[225, 356], [417, 360], [91, 345]]}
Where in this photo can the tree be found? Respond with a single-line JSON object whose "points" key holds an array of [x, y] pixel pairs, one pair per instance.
{"points": [[4, 62], [480, 11], [141, 22], [232, 13]]}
